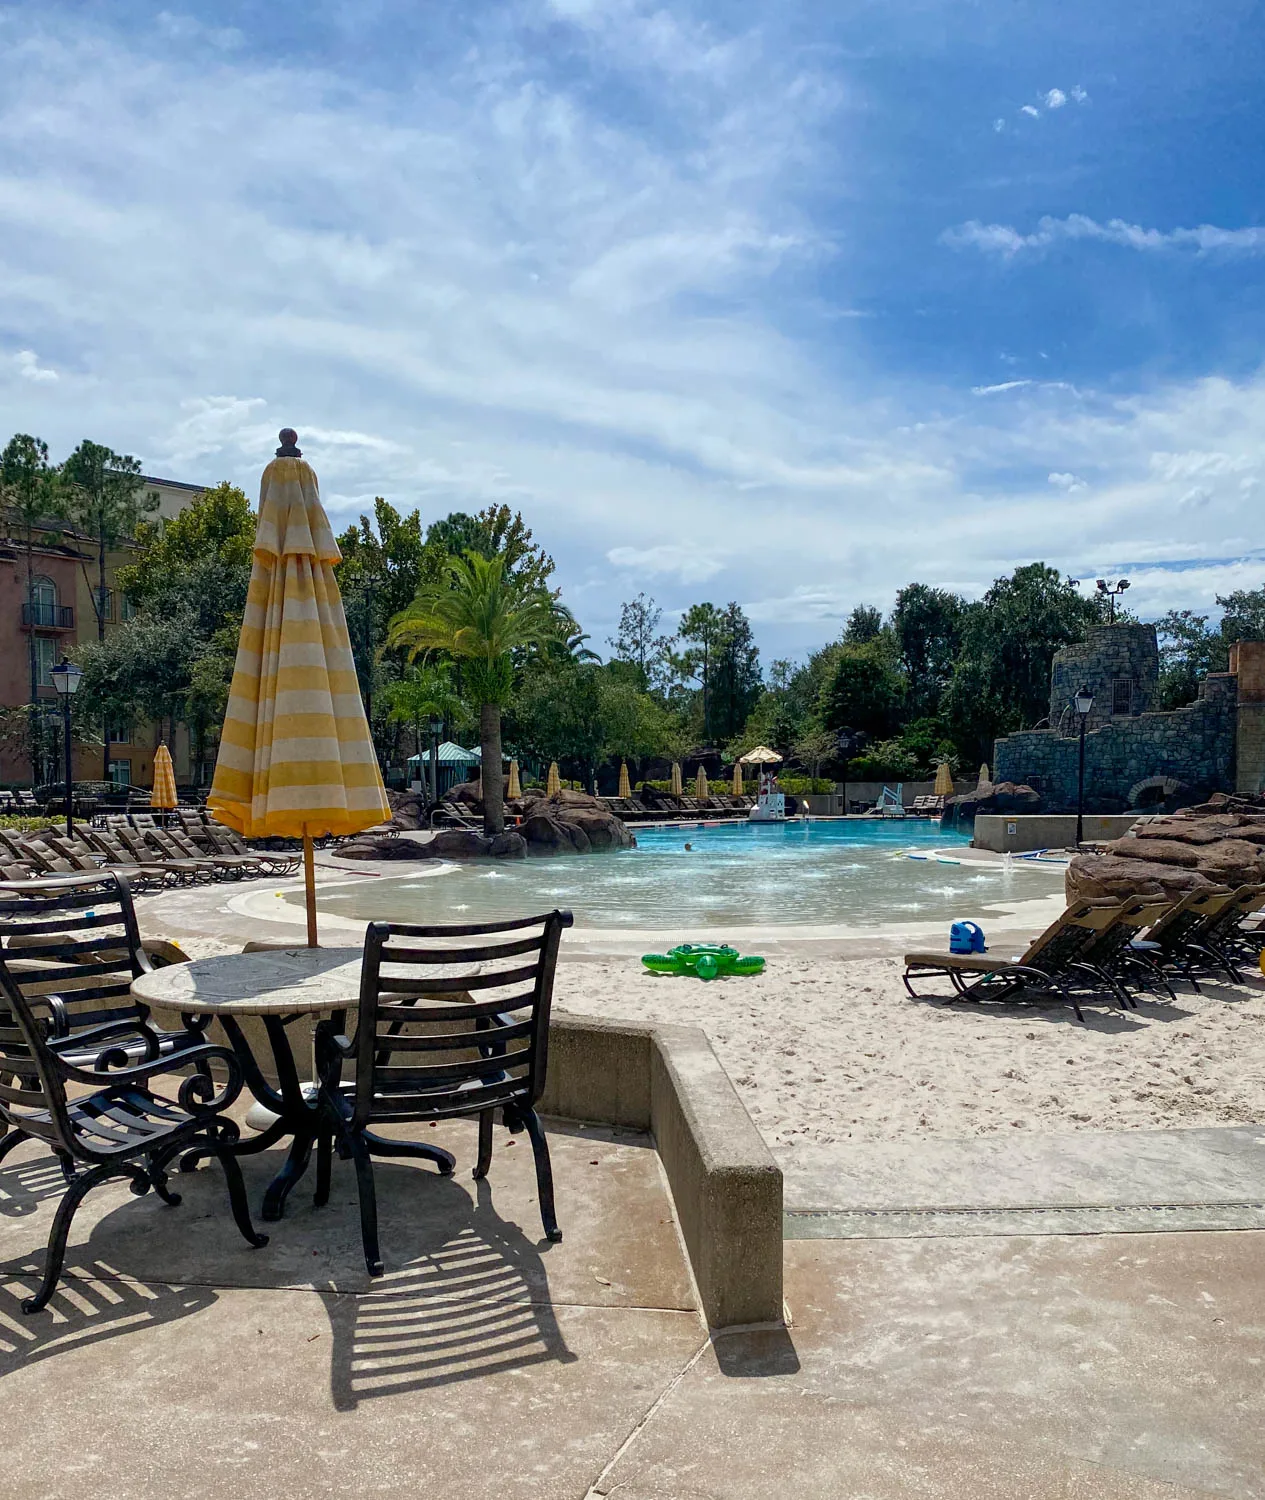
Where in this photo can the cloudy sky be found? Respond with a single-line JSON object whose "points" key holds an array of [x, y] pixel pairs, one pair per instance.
{"points": [[790, 304]]}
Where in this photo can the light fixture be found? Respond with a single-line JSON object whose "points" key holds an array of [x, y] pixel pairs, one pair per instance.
{"points": [[1084, 702], [66, 677]]}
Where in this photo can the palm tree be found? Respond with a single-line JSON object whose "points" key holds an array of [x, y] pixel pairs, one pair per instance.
{"points": [[482, 613], [425, 693]]}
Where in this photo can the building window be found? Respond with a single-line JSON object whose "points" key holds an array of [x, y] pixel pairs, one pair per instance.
{"points": [[43, 594], [1122, 695], [46, 658], [121, 772], [127, 610], [119, 734], [103, 603]]}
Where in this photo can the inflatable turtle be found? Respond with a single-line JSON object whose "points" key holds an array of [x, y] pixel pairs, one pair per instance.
{"points": [[706, 960]]}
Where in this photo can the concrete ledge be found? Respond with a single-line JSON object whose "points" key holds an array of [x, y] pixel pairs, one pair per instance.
{"points": [[1015, 833], [724, 1182]]}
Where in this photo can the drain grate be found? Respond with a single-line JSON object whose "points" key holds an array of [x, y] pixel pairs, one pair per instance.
{"points": [[1070, 1218]]}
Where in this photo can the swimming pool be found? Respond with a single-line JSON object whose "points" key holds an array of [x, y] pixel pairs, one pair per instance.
{"points": [[735, 875]]}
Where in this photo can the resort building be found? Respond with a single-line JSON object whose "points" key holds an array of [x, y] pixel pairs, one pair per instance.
{"points": [[1134, 754], [64, 612]]}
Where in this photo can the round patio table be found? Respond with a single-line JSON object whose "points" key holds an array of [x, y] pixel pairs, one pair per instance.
{"points": [[278, 986]]}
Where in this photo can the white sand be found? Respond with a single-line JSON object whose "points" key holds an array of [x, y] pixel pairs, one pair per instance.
{"points": [[825, 1050]]}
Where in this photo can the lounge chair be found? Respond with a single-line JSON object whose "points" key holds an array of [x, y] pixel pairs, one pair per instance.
{"points": [[108, 842], [170, 845], [1052, 966], [275, 862], [1184, 939]]}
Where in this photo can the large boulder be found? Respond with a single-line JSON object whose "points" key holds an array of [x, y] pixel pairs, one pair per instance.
{"points": [[383, 846], [460, 843], [508, 845], [1091, 875], [571, 823], [994, 797]]}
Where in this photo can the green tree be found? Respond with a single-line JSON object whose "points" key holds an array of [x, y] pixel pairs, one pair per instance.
{"points": [[105, 501], [1001, 681], [1244, 618], [32, 503], [735, 672], [863, 695], [480, 613], [142, 669], [702, 626], [864, 624], [927, 624], [638, 641]]}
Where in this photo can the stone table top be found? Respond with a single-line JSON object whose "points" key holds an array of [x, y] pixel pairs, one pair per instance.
{"points": [[288, 981]]}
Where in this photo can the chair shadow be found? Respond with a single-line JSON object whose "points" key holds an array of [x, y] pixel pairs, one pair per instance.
{"points": [[89, 1306], [1051, 1012], [25, 1185], [465, 1306]]}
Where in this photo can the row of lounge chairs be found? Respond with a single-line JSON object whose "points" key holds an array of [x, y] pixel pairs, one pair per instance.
{"points": [[928, 806], [21, 801], [1112, 950], [147, 856]]}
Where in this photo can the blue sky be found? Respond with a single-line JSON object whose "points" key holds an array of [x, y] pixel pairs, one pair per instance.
{"points": [[785, 304]]}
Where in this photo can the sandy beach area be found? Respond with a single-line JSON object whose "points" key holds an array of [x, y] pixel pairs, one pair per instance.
{"points": [[833, 1050]]}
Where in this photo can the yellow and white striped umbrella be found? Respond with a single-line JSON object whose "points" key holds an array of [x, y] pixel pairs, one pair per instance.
{"points": [[295, 755], [678, 786], [944, 780], [625, 786], [552, 782], [737, 778], [515, 787], [700, 783], [164, 793]]}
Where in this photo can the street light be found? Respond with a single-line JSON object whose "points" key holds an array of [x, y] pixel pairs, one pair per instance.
{"points": [[66, 677], [436, 727], [1083, 703], [1109, 591]]}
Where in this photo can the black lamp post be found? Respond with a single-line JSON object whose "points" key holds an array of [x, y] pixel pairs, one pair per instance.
{"points": [[1083, 704], [1110, 592], [436, 727], [66, 677]]}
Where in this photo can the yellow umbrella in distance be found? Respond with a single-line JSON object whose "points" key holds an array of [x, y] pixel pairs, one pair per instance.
{"points": [[296, 758], [515, 787], [164, 793], [983, 775], [553, 783], [944, 780], [762, 756], [700, 783], [678, 786], [625, 787], [737, 778]]}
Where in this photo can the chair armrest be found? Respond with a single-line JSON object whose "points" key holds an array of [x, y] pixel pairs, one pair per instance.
{"points": [[197, 1093], [89, 1036], [59, 1016]]}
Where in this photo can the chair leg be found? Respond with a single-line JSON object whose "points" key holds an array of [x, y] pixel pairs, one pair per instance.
{"points": [[368, 1204], [485, 1145], [56, 1254], [11, 1139], [544, 1174], [324, 1160], [237, 1199]]}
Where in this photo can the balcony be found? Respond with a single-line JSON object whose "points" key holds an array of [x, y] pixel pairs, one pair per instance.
{"points": [[48, 617]]}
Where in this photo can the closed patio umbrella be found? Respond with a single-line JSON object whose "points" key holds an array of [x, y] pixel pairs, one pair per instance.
{"points": [[296, 758], [983, 774], [625, 787], [515, 787], [678, 787], [164, 792], [553, 782], [737, 778], [700, 783], [944, 780]]}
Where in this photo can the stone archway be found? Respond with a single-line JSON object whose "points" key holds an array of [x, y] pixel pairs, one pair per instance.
{"points": [[1161, 787]]}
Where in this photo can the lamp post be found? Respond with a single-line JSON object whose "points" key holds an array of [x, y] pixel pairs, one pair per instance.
{"points": [[1083, 704], [436, 727], [1110, 592], [66, 677]]}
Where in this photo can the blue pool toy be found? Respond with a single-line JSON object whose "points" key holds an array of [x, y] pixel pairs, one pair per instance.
{"points": [[966, 937]]}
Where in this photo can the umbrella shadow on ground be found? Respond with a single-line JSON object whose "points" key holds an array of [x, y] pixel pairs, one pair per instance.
{"points": [[91, 1304], [467, 1304]]}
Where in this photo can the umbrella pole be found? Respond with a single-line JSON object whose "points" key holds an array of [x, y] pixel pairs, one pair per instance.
{"points": [[309, 887]]}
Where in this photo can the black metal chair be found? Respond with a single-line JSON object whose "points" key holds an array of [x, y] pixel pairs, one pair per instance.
{"points": [[75, 939], [469, 1039], [122, 1128]]}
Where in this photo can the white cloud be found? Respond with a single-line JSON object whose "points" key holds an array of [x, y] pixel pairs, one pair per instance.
{"points": [[1055, 99], [1005, 385], [1079, 94], [29, 368], [1071, 483], [1030, 109], [999, 126], [684, 563], [1005, 240], [1197, 498]]}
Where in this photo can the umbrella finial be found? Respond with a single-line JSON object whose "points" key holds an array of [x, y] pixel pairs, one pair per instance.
{"points": [[289, 444]]}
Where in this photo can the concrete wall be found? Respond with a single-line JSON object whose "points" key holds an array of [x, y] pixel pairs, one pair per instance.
{"points": [[1015, 833], [1247, 663], [725, 1185], [1109, 654]]}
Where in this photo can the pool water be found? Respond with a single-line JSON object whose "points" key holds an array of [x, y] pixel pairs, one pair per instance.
{"points": [[735, 875]]}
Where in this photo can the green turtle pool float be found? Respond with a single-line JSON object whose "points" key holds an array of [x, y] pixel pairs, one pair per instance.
{"points": [[706, 960]]}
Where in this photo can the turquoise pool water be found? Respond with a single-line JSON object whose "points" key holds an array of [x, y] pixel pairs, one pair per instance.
{"points": [[739, 875]]}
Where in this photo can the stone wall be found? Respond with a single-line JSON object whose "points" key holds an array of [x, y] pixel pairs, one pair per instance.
{"points": [[1193, 746], [1111, 654]]}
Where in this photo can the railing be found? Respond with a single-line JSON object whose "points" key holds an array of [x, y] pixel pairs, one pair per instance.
{"points": [[48, 616]]}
